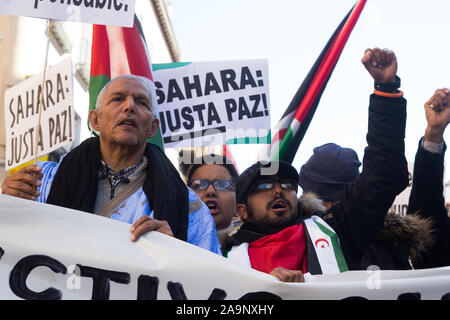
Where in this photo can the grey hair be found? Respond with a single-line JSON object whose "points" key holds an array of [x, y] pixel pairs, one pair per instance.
{"points": [[149, 85]]}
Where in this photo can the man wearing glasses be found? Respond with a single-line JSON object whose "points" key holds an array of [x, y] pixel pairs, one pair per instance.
{"points": [[271, 230], [278, 238]]}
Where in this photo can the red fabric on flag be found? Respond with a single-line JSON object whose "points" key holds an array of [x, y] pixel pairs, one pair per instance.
{"points": [[136, 53], [100, 64], [290, 130], [286, 249], [329, 61], [278, 136], [226, 152]]}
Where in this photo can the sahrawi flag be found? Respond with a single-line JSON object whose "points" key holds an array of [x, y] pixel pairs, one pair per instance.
{"points": [[276, 250], [292, 126], [117, 51]]}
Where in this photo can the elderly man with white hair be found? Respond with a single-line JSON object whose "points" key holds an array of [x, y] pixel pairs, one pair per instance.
{"points": [[119, 174]]}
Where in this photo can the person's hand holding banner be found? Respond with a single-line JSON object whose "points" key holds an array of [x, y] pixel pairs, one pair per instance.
{"points": [[146, 224], [24, 183], [286, 275]]}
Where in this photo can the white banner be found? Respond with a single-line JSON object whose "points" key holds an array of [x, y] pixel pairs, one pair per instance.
{"points": [[107, 12], [22, 110], [213, 103], [52, 252]]}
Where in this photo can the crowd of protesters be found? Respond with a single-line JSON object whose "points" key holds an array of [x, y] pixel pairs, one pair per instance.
{"points": [[257, 218]]}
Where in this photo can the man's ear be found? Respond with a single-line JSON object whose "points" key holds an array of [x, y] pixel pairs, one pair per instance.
{"points": [[93, 119], [241, 210], [154, 128]]}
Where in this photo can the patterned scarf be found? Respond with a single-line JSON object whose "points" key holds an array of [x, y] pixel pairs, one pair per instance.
{"points": [[76, 183]]}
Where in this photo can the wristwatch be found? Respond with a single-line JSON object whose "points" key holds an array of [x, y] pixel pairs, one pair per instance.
{"points": [[390, 87]]}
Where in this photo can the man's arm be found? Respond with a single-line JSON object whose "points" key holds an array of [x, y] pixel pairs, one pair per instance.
{"points": [[437, 113], [359, 213], [427, 198], [427, 188]]}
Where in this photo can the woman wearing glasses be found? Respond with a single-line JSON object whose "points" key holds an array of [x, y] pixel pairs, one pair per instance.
{"points": [[213, 178]]}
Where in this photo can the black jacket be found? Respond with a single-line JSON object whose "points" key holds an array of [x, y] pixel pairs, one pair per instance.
{"points": [[427, 200], [358, 214], [401, 241]]}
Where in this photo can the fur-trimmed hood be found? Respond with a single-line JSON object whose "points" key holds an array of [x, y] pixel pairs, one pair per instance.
{"points": [[412, 235], [309, 204]]}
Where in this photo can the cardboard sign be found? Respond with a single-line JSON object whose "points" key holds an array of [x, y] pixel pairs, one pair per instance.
{"points": [[22, 110], [50, 252], [107, 12], [213, 103]]}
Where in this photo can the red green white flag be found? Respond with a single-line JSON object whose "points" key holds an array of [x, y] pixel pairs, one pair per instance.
{"points": [[289, 132], [288, 249]]}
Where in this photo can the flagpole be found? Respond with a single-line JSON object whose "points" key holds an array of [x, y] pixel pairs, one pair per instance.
{"points": [[41, 99]]}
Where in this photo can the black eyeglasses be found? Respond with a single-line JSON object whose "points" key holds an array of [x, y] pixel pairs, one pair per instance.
{"points": [[269, 184], [218, 185]]}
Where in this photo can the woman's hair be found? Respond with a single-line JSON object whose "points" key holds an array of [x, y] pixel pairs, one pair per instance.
{"points": [[212, 159]]}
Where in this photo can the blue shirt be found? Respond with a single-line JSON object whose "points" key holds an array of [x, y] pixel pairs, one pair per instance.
{"points": [[201, 227]]}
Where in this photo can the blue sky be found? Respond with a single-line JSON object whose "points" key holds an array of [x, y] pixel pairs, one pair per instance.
{"points": [[291, 34]]}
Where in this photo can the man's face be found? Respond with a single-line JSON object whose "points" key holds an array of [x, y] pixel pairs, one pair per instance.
{"points": [[221, 204], [125, 115], [273, 209]]}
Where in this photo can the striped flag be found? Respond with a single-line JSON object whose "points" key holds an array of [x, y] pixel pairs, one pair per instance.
{"points": [[292, 126], [117, 51], [277, 250]]}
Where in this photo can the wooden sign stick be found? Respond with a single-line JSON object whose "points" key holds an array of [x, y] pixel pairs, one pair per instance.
{"points": [[41, 99]]}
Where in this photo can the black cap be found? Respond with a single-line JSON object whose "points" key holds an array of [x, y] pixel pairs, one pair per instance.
{"points": [[247, 178]]}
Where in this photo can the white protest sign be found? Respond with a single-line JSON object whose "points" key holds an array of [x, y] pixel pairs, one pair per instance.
{"points": [[50, 252], [22, 109], [107, 12], [213, 103], [400, 204]]}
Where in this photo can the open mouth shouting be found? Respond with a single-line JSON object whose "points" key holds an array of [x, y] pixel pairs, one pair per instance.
{"points": [[127, 123], [213, 206], [279, 206]]}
